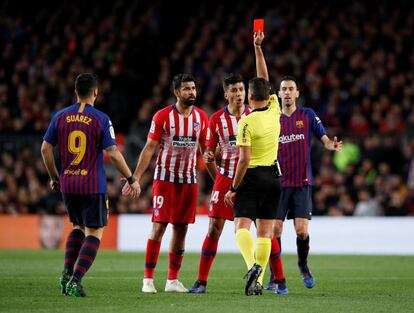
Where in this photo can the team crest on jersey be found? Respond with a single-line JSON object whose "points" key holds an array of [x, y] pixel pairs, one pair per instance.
{"points": [[156, 212], [299, 124], [196, 126]]}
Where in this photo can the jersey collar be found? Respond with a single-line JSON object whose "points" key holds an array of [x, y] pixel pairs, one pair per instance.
{"points": [[260, 109], [174, 106], [226, 109]]}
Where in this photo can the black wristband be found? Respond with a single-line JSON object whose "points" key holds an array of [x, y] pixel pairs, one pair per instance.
{"points": [[130, 180], [232, 189]]}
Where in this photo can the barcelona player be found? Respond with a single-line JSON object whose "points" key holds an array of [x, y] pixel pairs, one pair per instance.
{"points": [[82, 132]]}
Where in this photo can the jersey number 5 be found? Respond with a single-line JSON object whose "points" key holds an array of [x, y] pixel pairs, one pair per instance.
{"points": [[77, 145]]}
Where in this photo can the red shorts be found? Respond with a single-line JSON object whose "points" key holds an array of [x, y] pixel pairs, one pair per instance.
{"points": [[174, 202], [217, 207]]}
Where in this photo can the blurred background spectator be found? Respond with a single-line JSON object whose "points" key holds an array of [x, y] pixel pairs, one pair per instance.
{"points": [[354, 62]]}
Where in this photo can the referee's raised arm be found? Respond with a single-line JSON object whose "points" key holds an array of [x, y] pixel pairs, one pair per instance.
{"points": [[261, 67]]}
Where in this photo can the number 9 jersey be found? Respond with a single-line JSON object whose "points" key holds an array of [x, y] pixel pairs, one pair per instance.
{"points": [[81, 137]]}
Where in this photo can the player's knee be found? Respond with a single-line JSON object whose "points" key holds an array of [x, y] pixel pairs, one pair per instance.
{"points": [[278, 228], [96, 232], [180, 228], [265, 234], [302, 233], [82, 228], [215, 231], [157, 231]]}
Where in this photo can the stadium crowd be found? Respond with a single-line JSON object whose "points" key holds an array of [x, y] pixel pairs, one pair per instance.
{"points": [[354, 63]]}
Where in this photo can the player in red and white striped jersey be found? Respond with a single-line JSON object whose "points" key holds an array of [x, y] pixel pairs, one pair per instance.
{"points": [[222, 133], [178, 130]]}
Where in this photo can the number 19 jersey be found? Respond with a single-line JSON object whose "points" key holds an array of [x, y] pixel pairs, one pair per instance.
{"points": [[81, 137]]}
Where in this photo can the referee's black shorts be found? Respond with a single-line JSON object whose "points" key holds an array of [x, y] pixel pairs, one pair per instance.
{"points": [[258, 194]]}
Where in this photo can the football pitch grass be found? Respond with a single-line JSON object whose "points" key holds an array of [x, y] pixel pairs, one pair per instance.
{"points": [[29, 283]]}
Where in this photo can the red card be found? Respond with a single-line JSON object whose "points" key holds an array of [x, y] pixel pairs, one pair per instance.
{"points": [[258, 24]]}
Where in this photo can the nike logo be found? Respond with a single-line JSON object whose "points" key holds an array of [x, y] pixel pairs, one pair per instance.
{"points": [[225, 127], [172, 126]]}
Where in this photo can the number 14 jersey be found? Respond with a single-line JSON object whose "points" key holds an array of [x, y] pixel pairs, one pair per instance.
{"points": [[222, 131]]}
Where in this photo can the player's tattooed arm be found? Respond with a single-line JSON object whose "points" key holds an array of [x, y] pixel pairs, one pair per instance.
{"points": [[118, 160], [134, 189]]}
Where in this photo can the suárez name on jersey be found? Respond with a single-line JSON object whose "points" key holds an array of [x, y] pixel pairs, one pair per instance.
{"points": [[184, 141], [291, 138], [78, 118]]}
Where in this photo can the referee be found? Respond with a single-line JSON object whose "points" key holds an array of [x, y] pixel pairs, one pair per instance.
{"points": [[256, 185]]}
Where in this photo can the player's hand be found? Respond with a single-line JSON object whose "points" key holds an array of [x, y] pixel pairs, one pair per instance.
{"points": [[132, 191], [135, 190], [229, 198], [208, 157], [55, 184], [258, 38], [337, 145]]}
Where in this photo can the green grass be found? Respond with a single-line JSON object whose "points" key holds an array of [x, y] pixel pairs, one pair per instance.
{"points": [[29, 283]]}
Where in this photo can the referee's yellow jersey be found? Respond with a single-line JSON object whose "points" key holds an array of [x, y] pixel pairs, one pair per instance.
{"points": [[260, 130]]}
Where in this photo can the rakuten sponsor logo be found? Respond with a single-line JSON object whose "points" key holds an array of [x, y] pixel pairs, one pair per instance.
{"points": [[291, 138]]}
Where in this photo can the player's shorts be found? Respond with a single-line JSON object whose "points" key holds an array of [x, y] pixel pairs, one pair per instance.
{"points": [[217, 208], [89, 210], [295, 202], [174, 202], [258, 194]]}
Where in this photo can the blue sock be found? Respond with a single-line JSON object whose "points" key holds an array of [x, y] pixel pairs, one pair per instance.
{"points": [[86, 256]]}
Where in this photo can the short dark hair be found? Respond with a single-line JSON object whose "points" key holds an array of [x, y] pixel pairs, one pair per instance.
{"points": [[179, 79], [85, 83], [289, 77], [259, 88], [230, 79]]}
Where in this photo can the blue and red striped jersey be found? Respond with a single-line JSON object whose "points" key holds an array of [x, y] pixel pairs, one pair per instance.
{"points": [[295, 146], [81, 137]]}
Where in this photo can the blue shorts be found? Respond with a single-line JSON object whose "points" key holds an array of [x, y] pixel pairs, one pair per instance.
{"points": [[90, 210], [295, 202]]}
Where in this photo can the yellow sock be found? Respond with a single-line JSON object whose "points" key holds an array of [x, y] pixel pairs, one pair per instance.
{"points": [[246, 246], [263, 248]]}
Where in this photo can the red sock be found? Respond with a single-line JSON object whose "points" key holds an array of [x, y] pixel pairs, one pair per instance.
{"points": [[208, 252], [151, 257], [275, 260], [174, 265]]}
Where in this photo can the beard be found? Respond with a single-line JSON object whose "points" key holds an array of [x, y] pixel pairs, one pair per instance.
{"points": [[189, 101]]}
